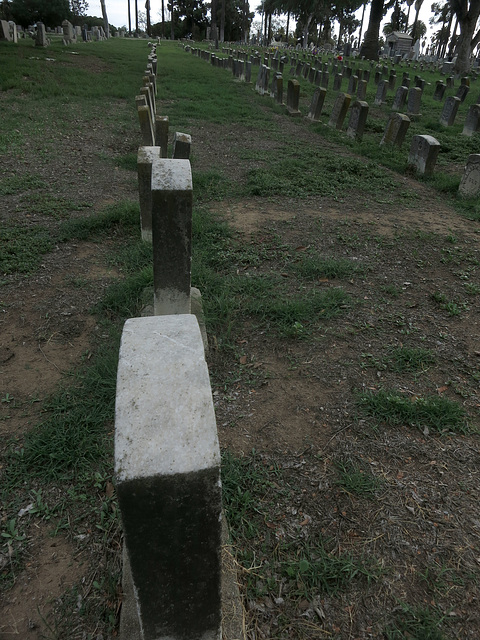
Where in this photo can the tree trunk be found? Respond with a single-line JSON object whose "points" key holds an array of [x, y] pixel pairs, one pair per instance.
{"points": [[361, 26], [213, 35], [172, 24], [129, 20], [305, 30], [453, 38], [369, 48], [288, 24], [149, 25], [163, 18], [136, 16], [222, 22]]}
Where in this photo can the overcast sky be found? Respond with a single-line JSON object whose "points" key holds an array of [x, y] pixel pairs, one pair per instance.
{"points": [[117, 11]]}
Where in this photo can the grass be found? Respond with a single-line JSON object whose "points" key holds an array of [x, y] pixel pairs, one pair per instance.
{"points": [[436, 413], [421, 623]]}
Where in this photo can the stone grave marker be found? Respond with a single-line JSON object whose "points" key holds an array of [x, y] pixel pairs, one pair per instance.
{"points": [[171, 235], [167, 468], [352, 84], [293, 98], [145, 159], [449, 112], [423, 154], [325, 78], [472, 121], [462, 92], [279, 88], [337, 82], [470, 182], [41, 37], [339, 110], [4, 31], [400, 99], [316, 105], [440, 88], [362, 89], [357, 120], [182, 144], [396, 129], [414, 101], [381, 92]]}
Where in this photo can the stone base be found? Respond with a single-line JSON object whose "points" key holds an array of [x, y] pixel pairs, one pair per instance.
{"points": [[233, 623], [197, 310], [293, 113]]}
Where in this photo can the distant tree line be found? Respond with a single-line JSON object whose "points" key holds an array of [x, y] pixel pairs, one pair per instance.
{"points": [[51, 12]]}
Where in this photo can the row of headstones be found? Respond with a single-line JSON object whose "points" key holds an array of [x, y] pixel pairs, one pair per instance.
{"points": [[357, 82], [424, 149], [9, 32], [167, 457]]}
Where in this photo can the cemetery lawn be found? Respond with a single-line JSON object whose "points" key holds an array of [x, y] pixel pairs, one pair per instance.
{"points": [[341, 297]]}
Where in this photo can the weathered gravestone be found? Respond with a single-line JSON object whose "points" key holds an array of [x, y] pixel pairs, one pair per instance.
{"points": [[400, 99], [462, 92], [325, 78], [440, 88], [362, 89], [171, 235], [182, 144], [381, 94], [472, 121], [339, 110], [145, 159], [423, 154], [396, 129], [146, 125], [414, 101], [278, 93], [167, 468], [358, 119], [352, 84], [4, 31], [337, 82], [293, 97], [41, 37], [470, 182], [316, 105], [449, 112], [69, 37]]}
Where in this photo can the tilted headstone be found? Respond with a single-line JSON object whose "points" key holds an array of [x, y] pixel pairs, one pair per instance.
{"points": [[145, 159], [146, 126], [182, 144], [4, 31], [357, 120], [381, 92], [396, 129], [325, 78], [470, 182], [423, 154], [278, 88], [316, 105], [440, 88], [167, 468], [293, 98], [449, 112], [400, 99], [462, 92], [339, 111], [414, 101], [472, 121], [171, 235]]}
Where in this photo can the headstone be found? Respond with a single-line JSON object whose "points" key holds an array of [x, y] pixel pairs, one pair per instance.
{"points": [[358, 119], [293, 97], [278, 88], [4, 31], [311, 74], [392, 79], [472, 121], [171, 235], [248, 71], [182, 144], [400, 99], [13, 32], [470, 182], [167, 468], [449, 112], [447, 68], [316, 105], [396, 129], [450, 82], [414, 101], [439, 91], [68, 35], [337, 82], [339, 110], [381, 92], [145, 159], [146, 126], [362, 89], [423, 154], [462, 92], [41, 38], [325, 78], [352, 84]]}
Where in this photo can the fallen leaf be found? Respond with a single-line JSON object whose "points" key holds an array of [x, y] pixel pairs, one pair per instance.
{"points": [[243, 360], [442, 389]]}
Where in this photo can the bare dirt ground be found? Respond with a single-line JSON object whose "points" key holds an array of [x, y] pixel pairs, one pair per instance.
{"points": [[292, 400]]}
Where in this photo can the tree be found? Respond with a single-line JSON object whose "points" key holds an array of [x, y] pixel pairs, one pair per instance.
{"points": [[5, 10], [50, 12], [369, 48], [78, 9], [467, 13]]}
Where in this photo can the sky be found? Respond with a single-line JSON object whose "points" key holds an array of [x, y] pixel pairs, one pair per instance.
{"points": [[117, 11]]}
